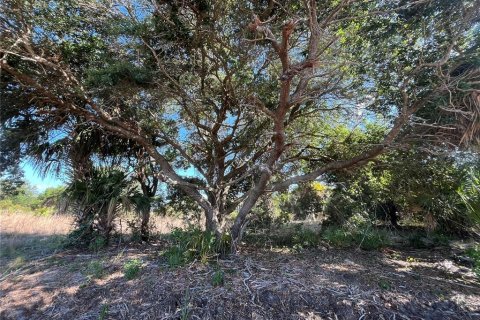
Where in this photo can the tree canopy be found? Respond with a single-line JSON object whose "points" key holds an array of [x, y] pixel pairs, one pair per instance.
{"points": [[252, 96]]}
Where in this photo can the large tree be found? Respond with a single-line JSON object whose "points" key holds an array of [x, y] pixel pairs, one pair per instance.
{"points": [[253, 96]]}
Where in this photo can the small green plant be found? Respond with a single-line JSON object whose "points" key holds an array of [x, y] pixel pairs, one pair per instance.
{"points": [[95, 269], [384, 284], [175, 257], [412, 259], [192, 244], [185, 306], [304, 238], [132, 268], [103, 312], [98, 243], [337, 237], [218, 278], [474, 253]]}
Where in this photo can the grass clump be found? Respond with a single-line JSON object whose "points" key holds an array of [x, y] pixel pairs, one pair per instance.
{"points": [[474, 253], [422, 240], [95, 269], [132, 268], [366, 238], [218, 278], [195, 244], [103, 312]]}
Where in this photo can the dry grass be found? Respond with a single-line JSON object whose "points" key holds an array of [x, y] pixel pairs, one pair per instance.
{"points": [[164, 225], [29, 224], [25, 235]]}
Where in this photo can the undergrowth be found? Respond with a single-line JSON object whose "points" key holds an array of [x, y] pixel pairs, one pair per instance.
{"points": [[474, 253], [192, 244], [132, 268]]}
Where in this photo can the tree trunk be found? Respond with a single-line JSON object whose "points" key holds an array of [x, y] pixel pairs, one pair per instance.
{"points": [[144, 225], [211, 222]]}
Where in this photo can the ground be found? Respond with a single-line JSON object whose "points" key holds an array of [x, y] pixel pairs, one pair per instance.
{"points": [[258, 283]]}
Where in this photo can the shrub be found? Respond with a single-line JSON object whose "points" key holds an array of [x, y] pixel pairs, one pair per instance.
{"points": [[474, 253], [132, 268], [218, 278], [95, 269], [193, 243], [366, 238]]}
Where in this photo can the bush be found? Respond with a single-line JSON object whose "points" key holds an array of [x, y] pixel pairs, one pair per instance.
{"points": [[218, 278], [195, 244], [95, 269], [366, 238], [422, 240], [474, 253], [132, 268]]}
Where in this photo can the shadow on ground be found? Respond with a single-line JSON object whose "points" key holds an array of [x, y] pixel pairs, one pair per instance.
{"points": [[257, 284]]}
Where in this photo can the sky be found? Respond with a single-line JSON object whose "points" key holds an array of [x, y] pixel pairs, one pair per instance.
{"points": [[40, 183], [34, 178]]}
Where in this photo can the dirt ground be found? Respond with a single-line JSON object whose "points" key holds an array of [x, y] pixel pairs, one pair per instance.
{"points": [[256, 284]]}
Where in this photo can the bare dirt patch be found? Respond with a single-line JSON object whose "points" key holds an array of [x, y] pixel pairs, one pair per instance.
{"points": [[257, 284]]}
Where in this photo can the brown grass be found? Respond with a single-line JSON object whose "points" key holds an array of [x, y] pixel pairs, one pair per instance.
{"points": [[29, 224], [25, 235]]}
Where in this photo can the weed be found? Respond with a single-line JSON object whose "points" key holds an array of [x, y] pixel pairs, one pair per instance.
{"points": [[192, 244], [337, 237], [474, 253], [304, 238], [97, 243], [373, 239], [103, 312], [412, 259], [218, 278], [95, 269], [421, 240], [174, 257], [132, 268], [384, 284], [365, 237]]}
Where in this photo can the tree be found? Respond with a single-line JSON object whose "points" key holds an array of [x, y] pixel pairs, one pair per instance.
{"points": [[97, 200], [252, 103]]}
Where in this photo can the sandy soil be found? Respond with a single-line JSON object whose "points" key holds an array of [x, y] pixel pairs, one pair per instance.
{"points": [[258, 284]]}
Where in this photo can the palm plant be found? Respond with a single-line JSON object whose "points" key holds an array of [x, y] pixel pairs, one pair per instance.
{"points": [[98, 198], [469, 192]]}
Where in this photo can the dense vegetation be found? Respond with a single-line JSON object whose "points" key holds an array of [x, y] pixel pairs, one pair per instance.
{"points": [[245, 114]]}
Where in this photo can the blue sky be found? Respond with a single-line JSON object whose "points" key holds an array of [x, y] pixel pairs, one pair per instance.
{"points": [[34, 178]]}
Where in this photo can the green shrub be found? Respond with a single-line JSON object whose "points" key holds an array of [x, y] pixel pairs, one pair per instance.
{"points": [[192, 244], [218, 278], [366, 238], [95, 269], [304, 238], [337, 237], [474, 253], [422, 240], [132, 268]]}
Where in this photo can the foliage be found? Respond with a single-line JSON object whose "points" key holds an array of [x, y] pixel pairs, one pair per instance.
{"points": [[97, 200], [474, 253], [469, 192], [252, 105], [95, 269], [365, 237], [195, 244], [132, 268], [421, 185], [218, 278]]}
